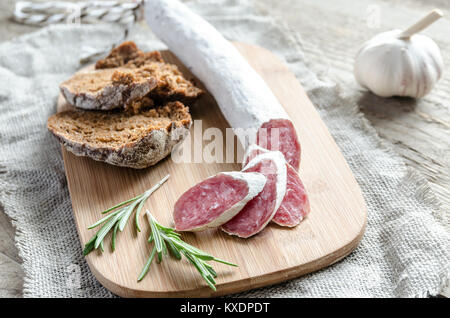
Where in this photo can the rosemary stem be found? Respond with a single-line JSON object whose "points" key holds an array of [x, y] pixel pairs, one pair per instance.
{"points": [[117, 220], [156, 186], [166, 238]]}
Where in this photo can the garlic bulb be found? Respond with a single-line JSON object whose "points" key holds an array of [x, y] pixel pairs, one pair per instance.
{"points": [[397, 63]]}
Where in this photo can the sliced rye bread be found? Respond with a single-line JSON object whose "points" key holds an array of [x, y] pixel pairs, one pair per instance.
{"points": [[122, 138], [171, 84], [131, 79], [107, 89], [128, 55]]}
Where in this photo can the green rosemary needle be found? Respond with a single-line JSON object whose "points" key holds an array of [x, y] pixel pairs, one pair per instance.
{"points": [[166, 239], [119, 218]]}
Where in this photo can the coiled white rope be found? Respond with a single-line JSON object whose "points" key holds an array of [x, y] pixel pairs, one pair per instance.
{"points": [[45, 13]]}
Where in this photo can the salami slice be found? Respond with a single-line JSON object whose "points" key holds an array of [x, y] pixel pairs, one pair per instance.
{"points": [[216, 200], [280, 134], [295, 205], [259, 212]]}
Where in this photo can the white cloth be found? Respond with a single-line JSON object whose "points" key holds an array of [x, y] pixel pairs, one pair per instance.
{"points": [[404, 252]]}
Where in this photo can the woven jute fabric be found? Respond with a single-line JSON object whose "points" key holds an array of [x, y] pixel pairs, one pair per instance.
{"points": [[405, 249]]}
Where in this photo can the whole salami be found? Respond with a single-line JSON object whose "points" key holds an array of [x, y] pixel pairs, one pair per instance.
{"points": [[216, 200], [242, 95], [258, 212]]}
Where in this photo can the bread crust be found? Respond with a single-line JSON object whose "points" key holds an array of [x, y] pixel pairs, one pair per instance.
{"points": [[139, 154], [106, 89]]}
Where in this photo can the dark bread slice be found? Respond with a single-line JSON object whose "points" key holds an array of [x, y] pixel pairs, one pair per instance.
{"points": [[171, 84], [107, 89], [128, 55], [122, 138]]}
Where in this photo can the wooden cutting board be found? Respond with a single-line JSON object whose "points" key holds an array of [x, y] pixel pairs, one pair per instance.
{"points": [[330, 232]]}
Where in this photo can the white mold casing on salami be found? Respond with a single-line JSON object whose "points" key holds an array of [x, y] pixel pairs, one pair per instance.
{"points": [[241, 225], [243, 97], [252, 152], [186, 216], [279, 161]]}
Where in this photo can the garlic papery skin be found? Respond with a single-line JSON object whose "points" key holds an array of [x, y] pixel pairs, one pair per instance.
{"points": [[389, 65]]}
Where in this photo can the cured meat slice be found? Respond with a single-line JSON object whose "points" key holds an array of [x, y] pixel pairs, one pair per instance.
{"points": [[259, 212], [216, 200], [280, 134], [295, 205]]}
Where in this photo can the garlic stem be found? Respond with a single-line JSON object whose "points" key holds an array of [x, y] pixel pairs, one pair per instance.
{"points": [[422, 24]]}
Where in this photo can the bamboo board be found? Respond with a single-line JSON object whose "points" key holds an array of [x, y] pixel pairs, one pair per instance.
{"points": [[330, 232]]}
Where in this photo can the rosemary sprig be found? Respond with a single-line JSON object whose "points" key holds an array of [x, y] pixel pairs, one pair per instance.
{"points": [[166, 239], [119, 218]]}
